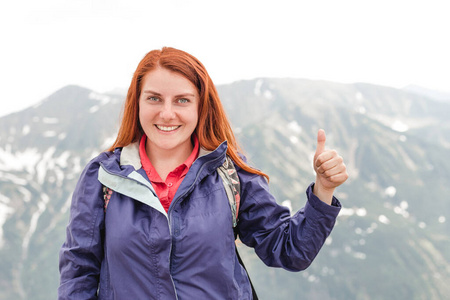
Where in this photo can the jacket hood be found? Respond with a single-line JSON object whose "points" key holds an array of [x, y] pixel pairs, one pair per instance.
{"points": [[126, 160], [123, 172]]}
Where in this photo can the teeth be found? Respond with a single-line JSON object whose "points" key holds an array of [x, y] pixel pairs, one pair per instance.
{"points": [[166, 128]]}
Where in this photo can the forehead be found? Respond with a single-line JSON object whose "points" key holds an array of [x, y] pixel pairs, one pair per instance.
{"points": [[162, 77]]}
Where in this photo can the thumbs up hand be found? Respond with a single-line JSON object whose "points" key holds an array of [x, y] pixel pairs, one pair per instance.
{"points": [[330, 169]]}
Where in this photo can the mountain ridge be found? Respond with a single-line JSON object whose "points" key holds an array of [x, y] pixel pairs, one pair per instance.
{"points": [[394, 143]]}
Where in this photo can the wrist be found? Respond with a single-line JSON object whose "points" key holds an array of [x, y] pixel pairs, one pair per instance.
{"points": [[324, 194]]}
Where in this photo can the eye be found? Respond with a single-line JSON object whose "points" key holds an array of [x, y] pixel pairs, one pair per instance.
{"points": [[183, 100], [153, 98]]}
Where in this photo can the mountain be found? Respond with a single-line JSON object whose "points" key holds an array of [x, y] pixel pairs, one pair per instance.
{"points": [[391, 239], [43, 150], [436, 95]]}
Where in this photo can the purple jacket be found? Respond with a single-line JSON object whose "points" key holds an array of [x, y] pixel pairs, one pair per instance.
{"points": [[138, 251]]}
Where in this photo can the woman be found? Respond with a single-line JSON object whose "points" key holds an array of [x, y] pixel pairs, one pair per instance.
{"points": [[167, 230]]}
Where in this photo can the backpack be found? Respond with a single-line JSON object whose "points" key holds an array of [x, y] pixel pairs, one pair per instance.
{"points": [[232, 185]]}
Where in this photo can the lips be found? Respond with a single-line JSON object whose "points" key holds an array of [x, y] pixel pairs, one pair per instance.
{"points": [[167, 128]]}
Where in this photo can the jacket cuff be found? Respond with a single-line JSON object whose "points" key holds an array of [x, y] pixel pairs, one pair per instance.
{"points": [[321, 207]]}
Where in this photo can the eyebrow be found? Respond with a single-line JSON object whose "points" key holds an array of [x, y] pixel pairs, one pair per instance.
{"points": [[158, 94]]}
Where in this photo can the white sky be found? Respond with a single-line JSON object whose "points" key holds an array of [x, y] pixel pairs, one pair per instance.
{"points": [[48, 44]]}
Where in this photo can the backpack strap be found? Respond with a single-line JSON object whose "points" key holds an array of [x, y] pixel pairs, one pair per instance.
{"points": [[107, 192], [230, 181], [254, 295]]}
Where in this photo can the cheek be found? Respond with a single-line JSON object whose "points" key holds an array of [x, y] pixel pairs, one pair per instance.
{"points": [[142, 117], [145, 114], [194, 116], [145, 119], [194, 119]]}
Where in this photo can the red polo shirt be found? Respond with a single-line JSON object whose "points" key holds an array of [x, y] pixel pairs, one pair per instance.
{"points": [[165, 190]]}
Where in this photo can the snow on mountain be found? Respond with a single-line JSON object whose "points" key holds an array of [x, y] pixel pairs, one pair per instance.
{"points": [[393, 224], [5, 211]]}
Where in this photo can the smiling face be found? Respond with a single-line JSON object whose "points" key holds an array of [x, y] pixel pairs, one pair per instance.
{"points": [[168, 112]]}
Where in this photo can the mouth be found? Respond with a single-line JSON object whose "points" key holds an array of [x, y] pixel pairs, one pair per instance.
{"points": [[167, 128]]}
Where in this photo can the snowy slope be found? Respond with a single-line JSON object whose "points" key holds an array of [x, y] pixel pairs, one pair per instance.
{"points": [[394, 225]]}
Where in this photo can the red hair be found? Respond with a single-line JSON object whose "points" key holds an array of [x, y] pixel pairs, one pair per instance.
{"points": [[213, 126]]}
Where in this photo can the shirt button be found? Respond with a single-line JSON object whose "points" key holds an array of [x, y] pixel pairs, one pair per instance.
{"points": [[169, 184]]}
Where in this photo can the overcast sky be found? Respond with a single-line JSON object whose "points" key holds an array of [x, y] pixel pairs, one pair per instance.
{"points": [[48, 44]]}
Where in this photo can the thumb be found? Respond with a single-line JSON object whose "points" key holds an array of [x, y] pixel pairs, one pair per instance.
{"points": [[321, 138]]}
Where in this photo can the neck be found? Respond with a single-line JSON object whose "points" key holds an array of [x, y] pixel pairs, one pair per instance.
{"points": [[165, 161]]}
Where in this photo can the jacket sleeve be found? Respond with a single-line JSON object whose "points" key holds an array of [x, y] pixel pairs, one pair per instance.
{"points": [[82, 253], [280, 240]]}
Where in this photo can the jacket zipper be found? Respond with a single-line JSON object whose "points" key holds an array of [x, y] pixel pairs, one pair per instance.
{"points": [[175, 201]]}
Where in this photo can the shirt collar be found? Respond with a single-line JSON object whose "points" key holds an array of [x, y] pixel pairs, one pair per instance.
{"points": [[150, 170]]}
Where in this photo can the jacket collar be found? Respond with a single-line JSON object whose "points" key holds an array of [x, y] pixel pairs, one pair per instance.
{"points": [[121, 174], [130, 155]]}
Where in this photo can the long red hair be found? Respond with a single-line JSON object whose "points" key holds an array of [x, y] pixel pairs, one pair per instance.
{"points": [[213, 126]]}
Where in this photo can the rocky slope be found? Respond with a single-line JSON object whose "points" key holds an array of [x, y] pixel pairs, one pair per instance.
{"points": [[391, 239]]}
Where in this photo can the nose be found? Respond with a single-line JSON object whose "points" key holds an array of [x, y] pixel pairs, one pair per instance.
{"points": [[167, 112]]}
